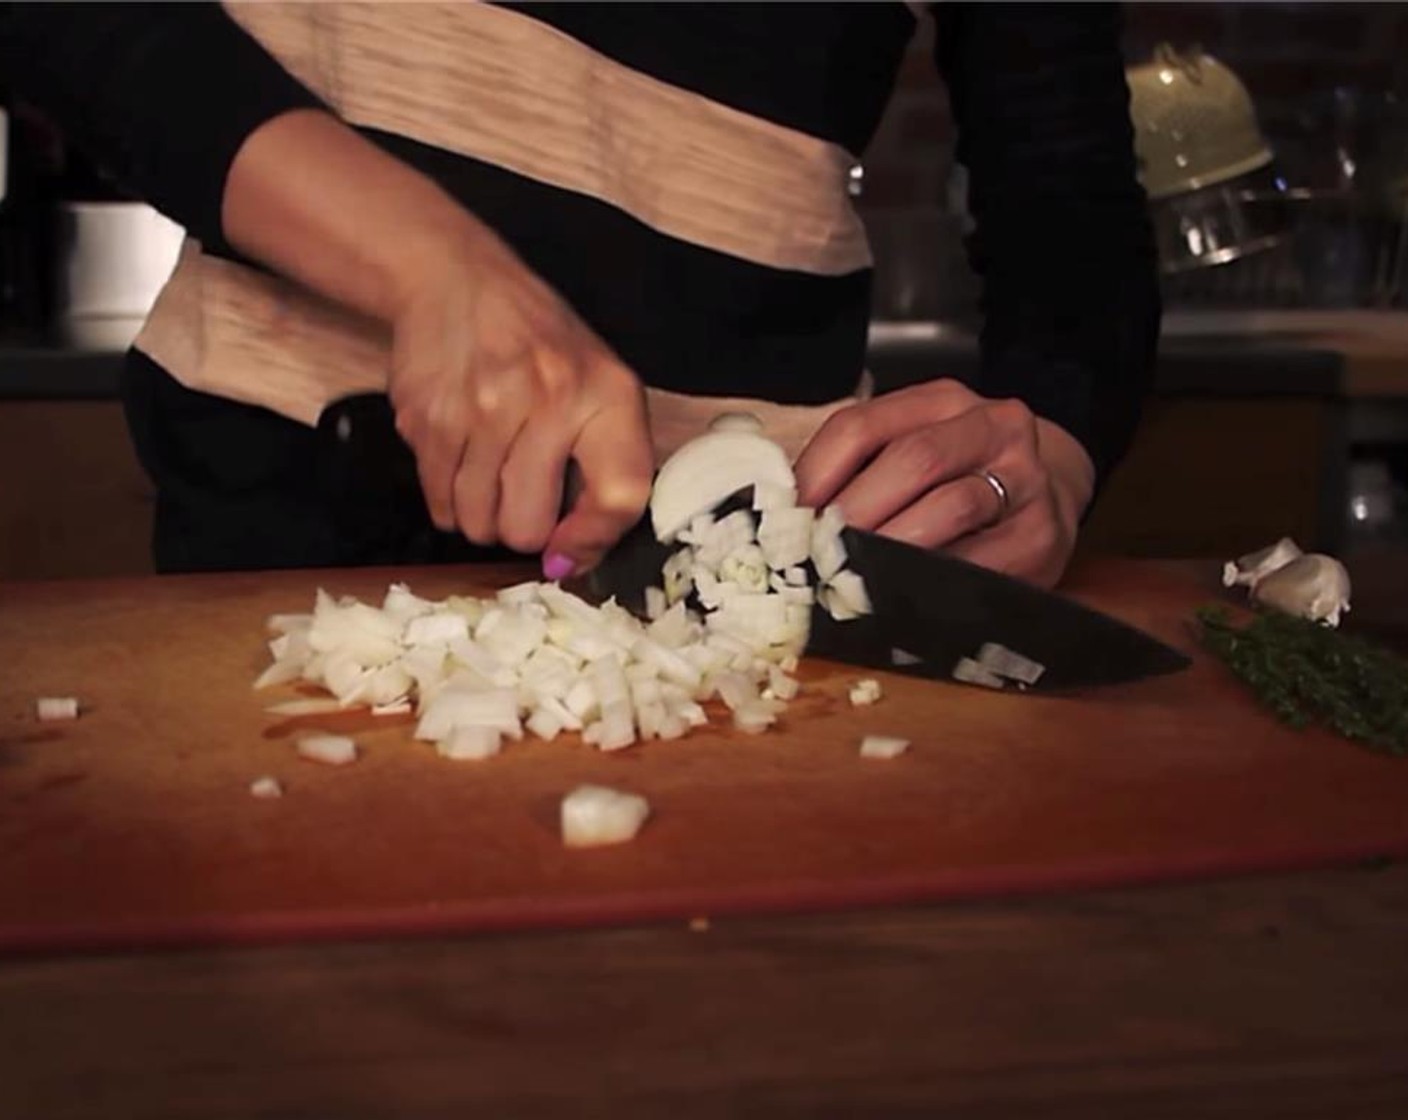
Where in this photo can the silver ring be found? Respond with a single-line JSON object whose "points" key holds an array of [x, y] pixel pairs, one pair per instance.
{"points": [[1004, 500]]}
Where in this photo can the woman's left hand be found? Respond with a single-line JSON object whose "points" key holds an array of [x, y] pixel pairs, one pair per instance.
{"points": [[907, 465]]}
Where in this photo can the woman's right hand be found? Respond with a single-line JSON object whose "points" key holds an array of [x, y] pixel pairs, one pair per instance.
{"points": [[496, 383], [497, 386]]}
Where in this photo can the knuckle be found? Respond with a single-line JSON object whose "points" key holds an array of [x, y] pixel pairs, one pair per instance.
{"points": [[487, 397], [626, 496], [947, 388], [1014, 416], [922, 455], [558, 378]]}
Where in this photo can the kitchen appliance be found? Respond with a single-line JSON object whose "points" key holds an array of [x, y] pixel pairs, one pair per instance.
{"points": [[113, 258], [1198, 143]]}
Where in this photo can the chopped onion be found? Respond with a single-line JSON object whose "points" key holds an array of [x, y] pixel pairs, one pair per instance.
{"points": [[1006, 663], [266, 788], [828, 551], [49, 709], [883, 746], [785, 536], [970, 672], [865, 692], [311, 706], [334, 750], [847, 597], [470, 743], [536, 658], [593, 816], [770, 495]]}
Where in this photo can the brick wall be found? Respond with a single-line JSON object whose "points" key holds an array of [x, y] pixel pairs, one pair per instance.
{"points": [[1292, 56]]}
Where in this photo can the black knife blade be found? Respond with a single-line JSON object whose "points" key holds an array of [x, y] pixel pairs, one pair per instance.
{"points": [[930, 611]]}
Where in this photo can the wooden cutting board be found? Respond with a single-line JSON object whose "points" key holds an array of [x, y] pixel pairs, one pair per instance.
{"points": [[134, 825]]}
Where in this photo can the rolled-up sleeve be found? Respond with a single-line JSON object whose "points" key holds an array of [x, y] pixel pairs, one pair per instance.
{"points": [[164, 95], [1062, 237]]}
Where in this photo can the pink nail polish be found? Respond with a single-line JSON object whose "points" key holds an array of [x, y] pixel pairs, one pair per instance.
{"points": [[557, 566]]}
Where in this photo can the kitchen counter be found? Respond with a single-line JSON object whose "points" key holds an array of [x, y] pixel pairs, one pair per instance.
{"points": [[1275, 997], [1272, 995], [1274, 403]]}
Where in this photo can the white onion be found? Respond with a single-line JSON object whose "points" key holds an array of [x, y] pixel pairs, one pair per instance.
{"points": [[50, 709], [865, 692], [593, 816], [971, 672], [470, 743], [333, 750], [266, 788], [883, 746], [539, 660], [1009, 664]]}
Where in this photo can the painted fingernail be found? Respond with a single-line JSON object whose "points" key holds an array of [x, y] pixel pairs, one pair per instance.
{"points": [[556, 566]]}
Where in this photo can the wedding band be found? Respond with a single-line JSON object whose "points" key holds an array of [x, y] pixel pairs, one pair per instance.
{"points": [[1004, 501]]}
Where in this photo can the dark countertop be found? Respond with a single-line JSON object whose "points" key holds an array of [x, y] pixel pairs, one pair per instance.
{"points": [[1224, 363]]}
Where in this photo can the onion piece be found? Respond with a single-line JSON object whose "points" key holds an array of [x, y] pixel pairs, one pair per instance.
{"points": [[883, 747], [828, 550], [309, 706], [845, 596], [709, 469], [470, 744], [332, 750], [970, 672], [594, 816], [50, 709], [1007, 663], [865, 692], [266, 788]]}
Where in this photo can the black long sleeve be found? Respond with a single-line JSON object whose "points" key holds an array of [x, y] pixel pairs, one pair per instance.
{"points": [[1062, 240], [163, 94]]}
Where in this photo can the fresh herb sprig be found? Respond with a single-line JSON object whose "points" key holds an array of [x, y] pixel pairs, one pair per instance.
{"points": [[1306, 672]]}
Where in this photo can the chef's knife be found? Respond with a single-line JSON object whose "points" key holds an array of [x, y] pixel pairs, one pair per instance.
{"points": [[930, 611]]}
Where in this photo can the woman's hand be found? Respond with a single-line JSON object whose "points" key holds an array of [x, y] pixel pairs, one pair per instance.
{"points": [[497, 384], [905, 464], [495, 381]]}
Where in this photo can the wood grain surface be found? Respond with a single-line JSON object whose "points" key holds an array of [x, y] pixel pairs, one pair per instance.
{"points": [[134, 826], [1279, 998]]}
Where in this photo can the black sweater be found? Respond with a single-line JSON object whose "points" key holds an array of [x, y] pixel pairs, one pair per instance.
{"points": [[165, 95]]}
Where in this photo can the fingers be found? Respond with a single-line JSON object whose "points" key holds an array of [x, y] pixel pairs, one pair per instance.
{"points": [[918, 462], [853, 436], [1032, 544], [531, 486], [616, 462], [439, 450], [498, 415], [965, 505]]}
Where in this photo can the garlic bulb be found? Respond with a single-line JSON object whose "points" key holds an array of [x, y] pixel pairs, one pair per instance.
{"points": [[1311, 586], [1251, 569]]}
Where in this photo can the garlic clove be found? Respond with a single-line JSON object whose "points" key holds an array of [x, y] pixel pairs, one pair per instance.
{"points": [[1249, 570], [1311, 586]]}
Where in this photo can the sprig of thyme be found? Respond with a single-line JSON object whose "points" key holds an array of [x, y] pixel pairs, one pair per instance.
{"points": [[1307, 673]]}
